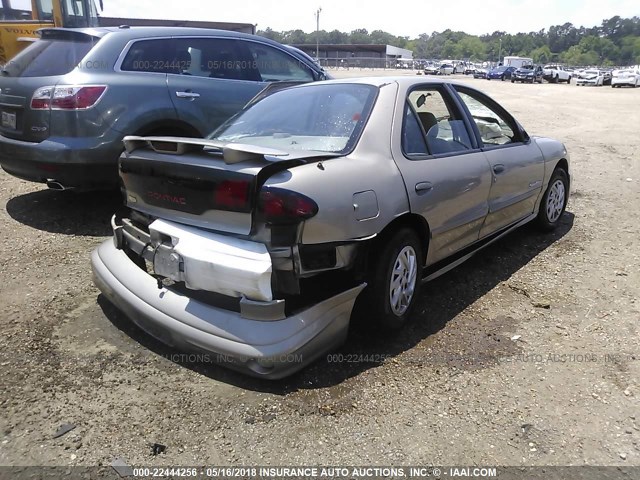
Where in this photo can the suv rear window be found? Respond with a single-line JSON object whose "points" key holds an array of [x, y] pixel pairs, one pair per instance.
{"points": [[50, 56]]}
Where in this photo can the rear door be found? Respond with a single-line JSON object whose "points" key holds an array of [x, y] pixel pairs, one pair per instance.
{"points": [[215, 77], [41, 64], [446, 175], [517, 165], [210, 79]]}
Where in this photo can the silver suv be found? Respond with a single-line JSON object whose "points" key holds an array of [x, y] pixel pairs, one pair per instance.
{"points": [[68, 100]]}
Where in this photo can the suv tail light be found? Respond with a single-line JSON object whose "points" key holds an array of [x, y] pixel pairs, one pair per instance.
{"points": [[41, 99], [67, 97], [278, 206]]}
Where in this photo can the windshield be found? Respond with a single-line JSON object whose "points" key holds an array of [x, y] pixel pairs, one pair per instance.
{"points": [[326, 118]]}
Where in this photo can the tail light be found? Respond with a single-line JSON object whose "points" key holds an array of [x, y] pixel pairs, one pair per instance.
{"points": [[67, 97], [41, 99], [232, 195], [278, 206]]}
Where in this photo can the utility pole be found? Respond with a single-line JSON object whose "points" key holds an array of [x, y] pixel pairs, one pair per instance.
{"points": [[318, 34], [500, 52]]}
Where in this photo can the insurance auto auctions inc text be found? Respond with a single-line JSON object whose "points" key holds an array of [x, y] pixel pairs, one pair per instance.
{"points": [[374, 472]]}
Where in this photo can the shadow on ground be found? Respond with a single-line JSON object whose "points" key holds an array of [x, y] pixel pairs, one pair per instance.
{"points": [[69, 213], [440, 302]]}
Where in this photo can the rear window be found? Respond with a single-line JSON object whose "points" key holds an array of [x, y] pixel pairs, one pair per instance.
{"points": [[326, 118], [49, 57]]}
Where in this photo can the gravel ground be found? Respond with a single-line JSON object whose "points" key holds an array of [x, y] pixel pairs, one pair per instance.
{"points": [[525, 355]]}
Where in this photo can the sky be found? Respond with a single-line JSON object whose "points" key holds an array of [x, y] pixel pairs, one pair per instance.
{"points": [[403, 18]]}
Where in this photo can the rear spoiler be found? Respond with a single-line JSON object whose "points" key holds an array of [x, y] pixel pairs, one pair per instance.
{"points": [[231, 152]]}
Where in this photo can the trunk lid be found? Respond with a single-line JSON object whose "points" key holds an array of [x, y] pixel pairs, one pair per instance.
{"points": [[204, 183]]}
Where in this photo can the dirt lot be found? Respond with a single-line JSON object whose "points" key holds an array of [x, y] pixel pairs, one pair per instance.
{"points": [[526, 355]]}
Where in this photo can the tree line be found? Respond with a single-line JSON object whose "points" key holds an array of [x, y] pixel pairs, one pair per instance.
{"points": [[615, 42]]}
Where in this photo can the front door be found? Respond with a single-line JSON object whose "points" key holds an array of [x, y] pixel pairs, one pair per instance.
{"points": [[517, 164]]}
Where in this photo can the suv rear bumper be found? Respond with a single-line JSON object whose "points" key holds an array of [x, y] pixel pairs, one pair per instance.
{"points": [[264, 348], [86, 162]]}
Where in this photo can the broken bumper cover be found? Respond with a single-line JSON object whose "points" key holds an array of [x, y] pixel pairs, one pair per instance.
{"points": [[265, 348]]}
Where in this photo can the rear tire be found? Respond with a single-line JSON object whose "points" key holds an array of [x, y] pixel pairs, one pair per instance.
{"points": [[394, 280], [554, 201]]}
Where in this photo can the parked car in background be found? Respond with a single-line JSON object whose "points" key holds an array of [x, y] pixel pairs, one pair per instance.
{"points": [[607, 75], [432, 69], [554, 73], [480, 73], [591, 76], [256, 242], [528, 74], [629, 77], [502, 73], [70, 97], [459, 67], [446, 69]]}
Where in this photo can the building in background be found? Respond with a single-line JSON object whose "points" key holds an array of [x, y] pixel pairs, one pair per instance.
{"points": [[358, 55]]}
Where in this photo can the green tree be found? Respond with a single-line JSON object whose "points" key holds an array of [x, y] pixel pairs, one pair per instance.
{"points": [[604, 48], [359, 36], [471, 47], [271, 34], [630, 50], [337, 37], [297, 37], [542, 54], [615, 41]]}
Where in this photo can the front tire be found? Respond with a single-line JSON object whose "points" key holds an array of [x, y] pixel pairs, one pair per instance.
{"points": [[394, 280], [554, 201]]}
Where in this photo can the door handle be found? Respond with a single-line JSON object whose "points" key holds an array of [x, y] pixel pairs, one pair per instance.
{"points": [[187, 95], [423, 187], [498, 168]]}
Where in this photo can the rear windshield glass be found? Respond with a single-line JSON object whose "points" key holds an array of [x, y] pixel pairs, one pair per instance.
{"points": [[327, 118], [45, 58]]}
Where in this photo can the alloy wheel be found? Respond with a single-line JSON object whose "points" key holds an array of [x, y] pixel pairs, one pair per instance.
{"points": [[403, 280], [555, 200]]}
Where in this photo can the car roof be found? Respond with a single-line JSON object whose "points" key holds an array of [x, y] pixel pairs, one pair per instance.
{"points": [[402, 81], [148, 32]]}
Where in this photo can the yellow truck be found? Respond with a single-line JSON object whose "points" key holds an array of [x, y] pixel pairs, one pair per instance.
{"points": [[18, 27]]}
